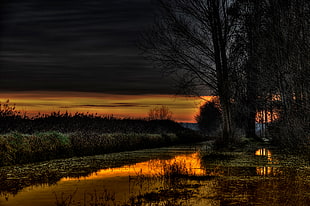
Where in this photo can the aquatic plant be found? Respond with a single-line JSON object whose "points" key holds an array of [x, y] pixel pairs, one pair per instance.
{"points": [[64, 200], [105, 197]]}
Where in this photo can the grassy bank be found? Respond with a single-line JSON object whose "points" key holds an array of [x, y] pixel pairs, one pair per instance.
{"points": [[25, 139], [18, 148]]}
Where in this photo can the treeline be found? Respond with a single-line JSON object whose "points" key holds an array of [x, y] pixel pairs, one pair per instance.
{"points": [[275, 75], [253, 55], [13, 121]]}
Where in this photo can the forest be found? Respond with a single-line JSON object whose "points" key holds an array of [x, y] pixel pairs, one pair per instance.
{"points": [[253, 55]]}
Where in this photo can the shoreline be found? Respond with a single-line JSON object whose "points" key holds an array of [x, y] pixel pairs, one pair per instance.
{"points": [[14, 178]]}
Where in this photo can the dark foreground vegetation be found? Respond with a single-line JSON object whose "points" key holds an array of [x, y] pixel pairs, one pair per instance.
{"points": [[12, 120], [17, 148], [270, 178], [59, 135]]}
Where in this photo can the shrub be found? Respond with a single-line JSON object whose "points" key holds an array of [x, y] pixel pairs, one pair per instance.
{"points": [[291, 135], [209, 117]]}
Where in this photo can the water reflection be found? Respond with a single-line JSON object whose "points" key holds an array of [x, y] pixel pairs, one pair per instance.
{"points": [[148, 168], [222, 178], [267, 170], [263, 152], [122, 182]]}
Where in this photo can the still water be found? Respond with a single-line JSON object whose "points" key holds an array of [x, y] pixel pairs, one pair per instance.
{"points": [[182, 175]]}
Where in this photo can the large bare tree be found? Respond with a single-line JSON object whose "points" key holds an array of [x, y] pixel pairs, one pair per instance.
{"points": [[195, 41], [253, 54]]}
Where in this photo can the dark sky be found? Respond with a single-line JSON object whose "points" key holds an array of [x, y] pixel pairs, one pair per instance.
{"points": [[77, 45]]}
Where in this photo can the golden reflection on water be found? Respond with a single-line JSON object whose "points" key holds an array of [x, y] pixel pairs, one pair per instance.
{"points": [[267, 170], [263, 152], [153, 167], [229, 187]]}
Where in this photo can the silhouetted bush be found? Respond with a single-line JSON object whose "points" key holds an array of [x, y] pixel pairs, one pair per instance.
{"points": [[291, 134], [209, 117]]}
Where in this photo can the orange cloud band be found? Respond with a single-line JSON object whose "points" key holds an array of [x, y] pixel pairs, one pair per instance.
{"points": [[134, 106]]}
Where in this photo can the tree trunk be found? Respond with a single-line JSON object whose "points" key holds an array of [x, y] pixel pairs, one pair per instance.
{"points": [[227, 135], [250, 129], [252, 71], [251, 100], [219, 45]]}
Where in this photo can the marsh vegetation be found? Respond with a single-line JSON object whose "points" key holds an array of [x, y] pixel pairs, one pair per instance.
{"points": [[180, 175], [25, 139]]}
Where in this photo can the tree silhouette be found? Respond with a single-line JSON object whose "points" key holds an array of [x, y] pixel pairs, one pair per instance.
{"points": [[253, 55], [209, 117], [194, 40], [160, 113]]}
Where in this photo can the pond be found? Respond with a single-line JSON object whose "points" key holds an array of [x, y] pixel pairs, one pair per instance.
{"points": [[179, 175]]}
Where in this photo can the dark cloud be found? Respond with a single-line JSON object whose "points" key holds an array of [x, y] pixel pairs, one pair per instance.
{"points": [[114, 105], [78, 45]]}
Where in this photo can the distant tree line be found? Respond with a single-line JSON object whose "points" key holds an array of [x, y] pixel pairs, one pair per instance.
{"points": [[13, 121], [160, 113], [253, 55]]}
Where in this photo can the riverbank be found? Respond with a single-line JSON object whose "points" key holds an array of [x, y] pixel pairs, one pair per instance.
{"points": [[26, 139], [19, 148], [188, 174], [14, 178]]}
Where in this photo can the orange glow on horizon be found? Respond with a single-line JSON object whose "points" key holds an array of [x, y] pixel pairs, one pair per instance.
{"points": [[124, 106]]}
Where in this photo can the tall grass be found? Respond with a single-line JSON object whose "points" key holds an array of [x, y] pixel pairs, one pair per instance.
{"points": [[85, 144], [25, 139], [18, 148], [63, 200], [67, 123], [108, 198]]}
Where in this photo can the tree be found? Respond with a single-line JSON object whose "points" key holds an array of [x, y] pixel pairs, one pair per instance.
{"points": [[253, 55], [209, 117], [246, 85], [275, 72], [286, 54], [195, 41], [160, 113]]}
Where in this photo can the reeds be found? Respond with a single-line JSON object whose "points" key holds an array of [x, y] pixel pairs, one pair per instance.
{"points": [[67, 123], [25, 139], [63, 200], [18, 148], [86, 144]]}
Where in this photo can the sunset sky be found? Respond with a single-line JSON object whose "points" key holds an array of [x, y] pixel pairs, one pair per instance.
{"points": [[82, 55]]}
